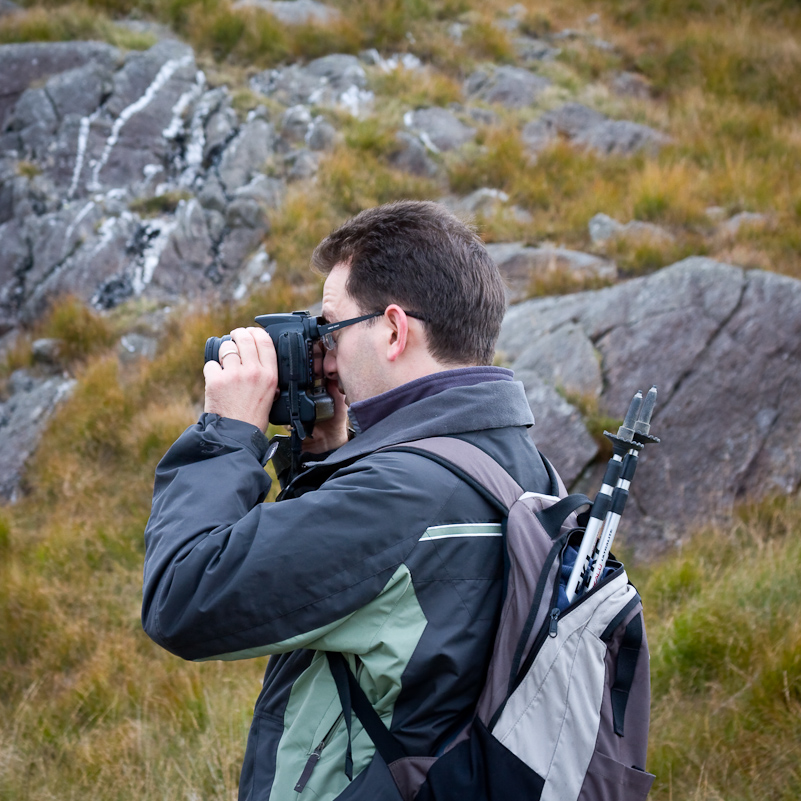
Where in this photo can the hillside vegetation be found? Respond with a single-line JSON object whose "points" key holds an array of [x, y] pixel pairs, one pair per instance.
{"points": [[89, 707]]}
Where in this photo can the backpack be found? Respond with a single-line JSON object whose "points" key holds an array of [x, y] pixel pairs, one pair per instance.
{"points": [[564, 711]]}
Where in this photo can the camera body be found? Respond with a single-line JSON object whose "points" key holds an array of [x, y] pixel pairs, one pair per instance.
{"points": [[302, 398]]}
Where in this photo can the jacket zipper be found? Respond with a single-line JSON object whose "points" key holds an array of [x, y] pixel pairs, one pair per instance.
{"points": [[315, 755]]}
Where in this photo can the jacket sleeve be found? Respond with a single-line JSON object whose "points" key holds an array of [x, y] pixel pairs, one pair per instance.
{"points": [[227, 576]]}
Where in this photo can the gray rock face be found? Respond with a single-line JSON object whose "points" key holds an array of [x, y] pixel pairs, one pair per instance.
{"points": [[723, 346], [335, 80], [520, 266], [294, 12], [592, 130], [747, 219], [531, 50], [24, 64], [412, 156], [439, 129], [621, 137], [629, 84], [246, 154], [603, 228], [23, 417], [7, 8], [555, 423], [295, 123], [512, 87], [113, 144], [482, 201], [321, 135]]}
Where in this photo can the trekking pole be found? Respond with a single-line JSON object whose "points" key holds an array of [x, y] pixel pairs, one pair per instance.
{"points": [[603, 500], [641, 436]]}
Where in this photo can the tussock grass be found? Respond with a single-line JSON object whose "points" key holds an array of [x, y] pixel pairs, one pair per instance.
{"points": [[726, 660], [80, 333], [90, 705], [66, 22], [352, 181]]}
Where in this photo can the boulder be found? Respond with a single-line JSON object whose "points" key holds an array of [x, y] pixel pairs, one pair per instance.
{"points": [[438, 129], [520, 266], [592, 130], [621, 137], [745, 219], [630, 84], [482, 201], [102, 132], [335, 80], [148, 92], [295, 123], [301, 164], [321, 135], [722, 345], [80, 90], [7, 8], [411, 156], [23, 417], [530, 50], [513, 87], [294, 12], [603, 228]]}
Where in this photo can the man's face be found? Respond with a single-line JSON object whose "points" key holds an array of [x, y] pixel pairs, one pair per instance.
{"points": [[356, 363]]}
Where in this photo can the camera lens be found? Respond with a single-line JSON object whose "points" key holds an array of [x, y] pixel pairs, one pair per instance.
{"points": [[213, 347]]}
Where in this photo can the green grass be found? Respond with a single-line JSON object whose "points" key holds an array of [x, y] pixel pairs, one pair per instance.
{"points": [[725, 638], [159, 204]]}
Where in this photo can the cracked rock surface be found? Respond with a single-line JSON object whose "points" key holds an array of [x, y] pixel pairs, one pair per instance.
{"points": [[23, 416], [723, 346]]}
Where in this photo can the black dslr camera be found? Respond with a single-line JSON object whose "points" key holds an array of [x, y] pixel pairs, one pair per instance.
{"points": [[302, 399]]}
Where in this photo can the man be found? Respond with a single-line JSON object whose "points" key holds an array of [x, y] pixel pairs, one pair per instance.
{"points": [[384, 556]]}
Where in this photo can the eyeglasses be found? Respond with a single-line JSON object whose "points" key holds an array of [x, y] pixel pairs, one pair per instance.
{"points": [[326, 331]]}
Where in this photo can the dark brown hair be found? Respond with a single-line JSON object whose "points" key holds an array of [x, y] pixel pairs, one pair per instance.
{"points": [[420, 256]]}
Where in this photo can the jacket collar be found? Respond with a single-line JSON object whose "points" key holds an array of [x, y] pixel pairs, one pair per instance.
{"points": [[365, 414], [458, 410]]}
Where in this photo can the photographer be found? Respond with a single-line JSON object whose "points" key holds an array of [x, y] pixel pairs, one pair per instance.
{"points": [[384, 556]]}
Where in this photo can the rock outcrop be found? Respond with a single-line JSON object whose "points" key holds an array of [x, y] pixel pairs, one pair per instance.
{"points": [[127, 175], [722, 344], [23, 416], [591, 130]]}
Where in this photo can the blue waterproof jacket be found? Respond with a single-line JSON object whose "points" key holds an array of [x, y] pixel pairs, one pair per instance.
{"points": [[387, 557]]}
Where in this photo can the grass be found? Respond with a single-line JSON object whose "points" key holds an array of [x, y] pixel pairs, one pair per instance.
{"points": [[725, 639], [159, 204], [71, 21]]}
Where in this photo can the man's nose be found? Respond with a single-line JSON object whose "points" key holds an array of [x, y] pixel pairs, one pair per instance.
{"points": [[329, 364]]}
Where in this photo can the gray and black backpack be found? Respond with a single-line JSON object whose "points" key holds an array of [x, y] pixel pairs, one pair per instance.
{"points": [[564, 712]]}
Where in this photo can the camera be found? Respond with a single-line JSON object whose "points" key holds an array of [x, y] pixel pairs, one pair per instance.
{"points": [[302, 398]]}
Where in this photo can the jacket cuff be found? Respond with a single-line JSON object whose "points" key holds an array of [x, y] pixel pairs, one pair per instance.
{"points": [[245, 434]]}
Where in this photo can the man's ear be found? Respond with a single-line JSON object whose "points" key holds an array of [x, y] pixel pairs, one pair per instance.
{"points": [[398, 323]]}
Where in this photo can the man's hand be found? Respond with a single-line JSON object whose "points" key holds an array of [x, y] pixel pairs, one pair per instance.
{"points": [[243, 385], [328, 435]]}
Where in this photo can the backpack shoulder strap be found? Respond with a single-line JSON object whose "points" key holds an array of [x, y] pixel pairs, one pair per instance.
{"points": [[470, 463], [489, 478]]}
